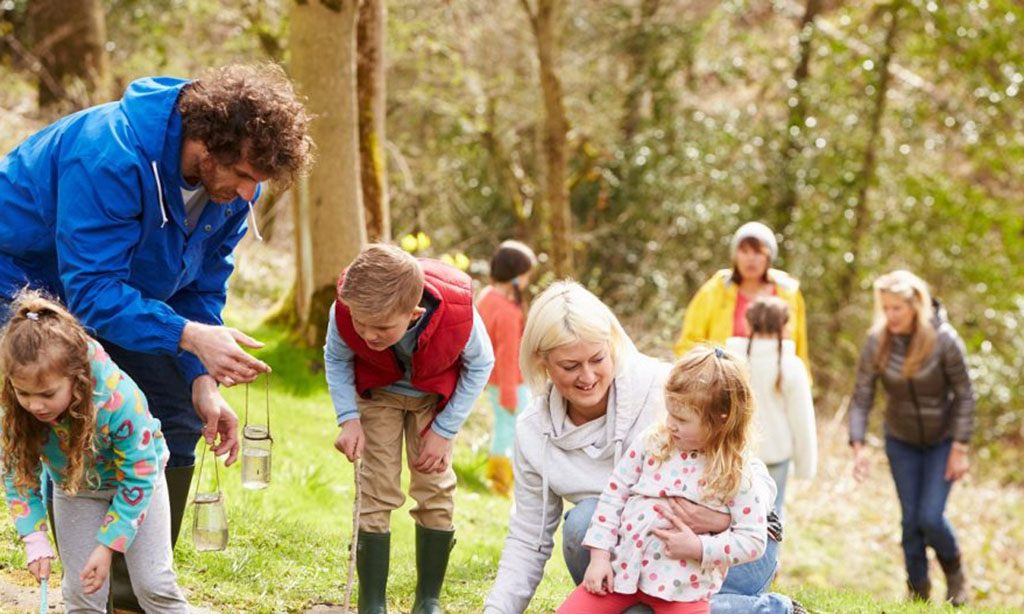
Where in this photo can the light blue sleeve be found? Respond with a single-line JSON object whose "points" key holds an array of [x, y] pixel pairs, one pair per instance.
{"points": [[339, 365], [477, 362]]}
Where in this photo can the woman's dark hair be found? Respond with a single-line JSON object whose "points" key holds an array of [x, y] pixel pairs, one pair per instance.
{"points": [[510, 260]]}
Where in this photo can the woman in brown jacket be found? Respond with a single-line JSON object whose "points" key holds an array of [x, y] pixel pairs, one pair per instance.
{"points": [[929, 418]]}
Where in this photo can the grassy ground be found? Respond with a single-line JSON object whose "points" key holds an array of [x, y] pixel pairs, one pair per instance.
{"points": [[288, 543]]}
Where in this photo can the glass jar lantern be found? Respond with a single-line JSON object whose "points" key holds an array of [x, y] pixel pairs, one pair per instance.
{"points": [[256, 447], [210, 519]]}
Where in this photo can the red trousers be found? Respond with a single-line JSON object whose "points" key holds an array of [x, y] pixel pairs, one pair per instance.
{"points": [[583, 602]]}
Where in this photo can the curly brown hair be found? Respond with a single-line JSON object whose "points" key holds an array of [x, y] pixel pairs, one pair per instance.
{"points": [[249, 110], [42, 337]]}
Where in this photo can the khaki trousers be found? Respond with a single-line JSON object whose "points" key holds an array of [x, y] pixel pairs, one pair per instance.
{"points": [[385, 418]]}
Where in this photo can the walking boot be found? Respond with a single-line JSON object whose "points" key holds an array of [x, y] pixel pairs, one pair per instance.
{"points": [[373, 558], [956, 582], [919, 592], [499, 474], [432, 549]]}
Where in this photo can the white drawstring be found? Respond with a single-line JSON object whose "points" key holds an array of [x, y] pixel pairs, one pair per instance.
{"points": [[544, 489], [255, 228], [160, 194]]}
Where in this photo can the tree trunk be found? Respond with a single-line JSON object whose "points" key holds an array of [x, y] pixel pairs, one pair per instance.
{"points": [[371, 98], [862, 210], [546, 22], [328, 205], [69, 38], [639, 54], [789, 201]]}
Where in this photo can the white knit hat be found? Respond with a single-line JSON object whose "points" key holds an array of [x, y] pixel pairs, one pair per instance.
{"points": [[756, 230]]}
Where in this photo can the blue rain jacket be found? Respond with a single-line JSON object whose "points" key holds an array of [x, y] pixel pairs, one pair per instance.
{"points": [[91, 211]]}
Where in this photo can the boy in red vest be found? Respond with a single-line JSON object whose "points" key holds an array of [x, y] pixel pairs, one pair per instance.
{"points": [[406, 355]]}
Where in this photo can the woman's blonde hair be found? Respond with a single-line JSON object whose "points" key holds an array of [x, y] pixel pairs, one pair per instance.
{"points": [[713, 384], [912, 289], [564, 313], [43, 338]]}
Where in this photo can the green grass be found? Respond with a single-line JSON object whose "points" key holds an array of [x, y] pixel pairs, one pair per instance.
{"points": [[288, 543]]}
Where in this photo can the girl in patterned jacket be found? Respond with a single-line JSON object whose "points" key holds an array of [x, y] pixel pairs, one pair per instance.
{"points": [[69, 411], [697, 452]]}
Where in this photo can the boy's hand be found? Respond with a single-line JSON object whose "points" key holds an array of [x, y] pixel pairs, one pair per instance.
{"points": [[96, 569], [435, 454], [351, 440], [40, 569], [599, 578]]}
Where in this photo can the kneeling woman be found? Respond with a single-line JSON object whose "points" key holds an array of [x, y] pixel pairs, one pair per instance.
{"points": [[594, 395]]}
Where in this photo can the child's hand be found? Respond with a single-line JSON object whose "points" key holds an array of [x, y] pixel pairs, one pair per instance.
{"points": [[351, 440], [599, 578], [96, 569], [40, 569], [680, 540], [435, 454]]}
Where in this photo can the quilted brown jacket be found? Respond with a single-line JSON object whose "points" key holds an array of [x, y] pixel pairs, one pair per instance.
{"points": [[935, 404]]}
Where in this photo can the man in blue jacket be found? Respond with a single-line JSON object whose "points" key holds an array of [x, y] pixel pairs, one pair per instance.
{"points": [[130, 212]]}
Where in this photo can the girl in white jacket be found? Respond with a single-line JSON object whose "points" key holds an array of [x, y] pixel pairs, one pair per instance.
{"points": [[784, 419]]}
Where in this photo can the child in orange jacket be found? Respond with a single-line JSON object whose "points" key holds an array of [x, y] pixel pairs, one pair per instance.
{"points": [[500, 307]]}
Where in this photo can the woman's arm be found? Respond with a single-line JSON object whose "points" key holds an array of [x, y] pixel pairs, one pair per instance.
{"points": [[696, 320], [528, 545]]}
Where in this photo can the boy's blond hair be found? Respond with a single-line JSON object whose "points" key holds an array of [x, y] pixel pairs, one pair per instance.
{"points": [[383, 281]]}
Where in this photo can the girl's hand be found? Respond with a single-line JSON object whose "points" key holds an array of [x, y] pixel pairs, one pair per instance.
{"points": [[599, 578], [860, 463], [40, 569], [679, 539], [958, 463], [96, 569]]}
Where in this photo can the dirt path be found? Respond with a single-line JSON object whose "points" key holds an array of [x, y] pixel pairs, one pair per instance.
{"points": [[19, 594]]}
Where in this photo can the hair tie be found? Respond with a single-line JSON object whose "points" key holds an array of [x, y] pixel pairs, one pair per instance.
{"points": [[719, 353], [33, 315]]}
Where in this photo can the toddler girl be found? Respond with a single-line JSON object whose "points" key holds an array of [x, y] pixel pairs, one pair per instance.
{"points": [[697, 452]]}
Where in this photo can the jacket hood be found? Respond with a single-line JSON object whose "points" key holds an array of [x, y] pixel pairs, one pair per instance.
{"points": [[149, 104]]}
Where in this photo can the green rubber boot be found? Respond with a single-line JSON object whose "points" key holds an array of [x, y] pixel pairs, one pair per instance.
{"points": [[432, 550], [122, 597], [373, 557]]}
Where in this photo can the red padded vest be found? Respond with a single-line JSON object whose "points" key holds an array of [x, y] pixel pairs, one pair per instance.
{"points": [[436, 361]]}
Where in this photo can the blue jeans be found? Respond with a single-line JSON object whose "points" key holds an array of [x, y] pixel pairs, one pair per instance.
{"points": [[743, 591], [920, 476], [169, 397], [779, 473]]}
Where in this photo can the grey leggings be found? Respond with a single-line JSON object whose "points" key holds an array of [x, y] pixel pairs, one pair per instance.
{"points": [[149, 559]]}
